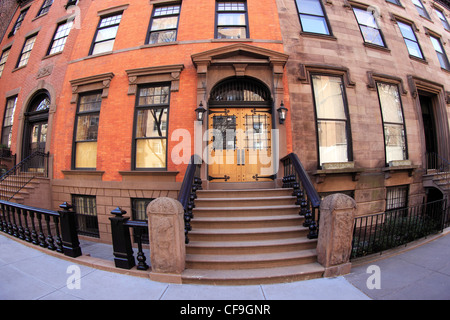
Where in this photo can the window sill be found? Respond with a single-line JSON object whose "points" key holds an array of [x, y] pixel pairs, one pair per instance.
{"points": [[18, 68], [337, 168], [418, 59], [52, 55], [83, 174], [318, 35], [398, 166], [232, 40], [376, 47], [148, 176], [162, 44]]}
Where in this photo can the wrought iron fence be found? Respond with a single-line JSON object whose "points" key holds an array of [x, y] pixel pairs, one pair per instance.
{"points": [[380, 232], [54, 230]]}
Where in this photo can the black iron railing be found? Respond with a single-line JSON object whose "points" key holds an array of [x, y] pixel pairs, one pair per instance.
{"points": [[191, 183], [21, 174], [121, 238], [296, 177], [393, 228], [54, 230]]}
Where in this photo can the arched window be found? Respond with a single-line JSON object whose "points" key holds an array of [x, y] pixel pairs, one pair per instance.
{"points": [[40, 103], [241, 90]]}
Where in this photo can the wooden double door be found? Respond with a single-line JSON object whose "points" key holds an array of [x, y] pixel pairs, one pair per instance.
{"points": [[240, 144]]}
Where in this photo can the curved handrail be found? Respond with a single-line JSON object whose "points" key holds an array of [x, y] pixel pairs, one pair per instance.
{"points": [[187, 192], [311, 191]]}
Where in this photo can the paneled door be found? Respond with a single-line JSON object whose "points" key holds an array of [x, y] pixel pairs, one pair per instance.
{"points": [[240, 145]]}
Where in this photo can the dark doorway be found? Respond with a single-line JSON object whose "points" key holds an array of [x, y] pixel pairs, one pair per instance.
{"points": [[36, 130], [429, 123]]}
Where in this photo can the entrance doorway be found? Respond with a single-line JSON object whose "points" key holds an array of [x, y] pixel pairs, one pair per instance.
{"points": [[429, 124], [36, 131], [240, 132]]}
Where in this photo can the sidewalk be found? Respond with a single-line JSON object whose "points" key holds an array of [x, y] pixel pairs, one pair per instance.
{"points": [[30, 274]]}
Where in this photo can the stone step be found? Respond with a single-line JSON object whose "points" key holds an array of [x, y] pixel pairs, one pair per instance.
{"points": [[250, 261], [250, 247], [244, 202], [253, 276], [252, 193], [247, 222], [246, 211], [250, 234]]}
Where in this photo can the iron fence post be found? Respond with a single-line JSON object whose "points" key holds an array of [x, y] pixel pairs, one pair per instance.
{"points": [[69, 234], [123, 251]]}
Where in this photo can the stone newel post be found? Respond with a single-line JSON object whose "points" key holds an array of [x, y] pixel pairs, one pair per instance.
{"points": [[167, 247], [337, 218]]}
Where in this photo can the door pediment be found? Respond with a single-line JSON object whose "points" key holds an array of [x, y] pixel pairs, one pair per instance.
{"points": [[240, 54]]}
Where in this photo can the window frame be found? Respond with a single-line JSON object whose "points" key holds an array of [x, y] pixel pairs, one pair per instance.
{"points": [[18, 22], [135, 123], [348, 131], [443, 19], [217, 26], [22, 52], [77, 116], [442, 54], [11, 119], [391, 203], [421, 9], [45, 8], [415, 40], [80, 214], [406, 151], [324, 16], [153, 18], [99, 28], [59, 25], [370, 27], [3, 59]]}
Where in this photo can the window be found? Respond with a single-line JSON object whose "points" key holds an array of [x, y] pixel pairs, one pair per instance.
{"points": [[86, 130], [106, 34], [45, 7], [139, 213], [443, 19], [421, 9], [26, 51], [86, 211], [150, 134], [332, 124], [60, 37], [3, 59], [369, 27], [397, 2], [164, 24], [8, 121], [410, 40], [312, 17], [396, 197], [443, 60], [394, 126], [231, 20], [18, 23]]}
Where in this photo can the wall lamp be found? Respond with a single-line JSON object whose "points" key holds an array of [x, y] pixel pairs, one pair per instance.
{"points": [[200, 112], [282, 111]]}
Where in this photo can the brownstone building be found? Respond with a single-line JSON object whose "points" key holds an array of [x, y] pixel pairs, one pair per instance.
{"points": [[106, 101], [368, 89]]}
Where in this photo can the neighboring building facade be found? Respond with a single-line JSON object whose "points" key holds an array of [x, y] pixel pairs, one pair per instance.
{"points": [[110, 89], [368, 88]]}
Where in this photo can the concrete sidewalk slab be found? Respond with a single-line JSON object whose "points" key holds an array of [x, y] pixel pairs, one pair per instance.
{"points": [[30, 274]]}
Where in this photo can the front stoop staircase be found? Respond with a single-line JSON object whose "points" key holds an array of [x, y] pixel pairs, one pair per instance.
{"points": [[242, 237]]}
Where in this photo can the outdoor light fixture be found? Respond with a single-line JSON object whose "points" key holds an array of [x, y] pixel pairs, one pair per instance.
{"points": [[282, 111], [200, 111]]}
